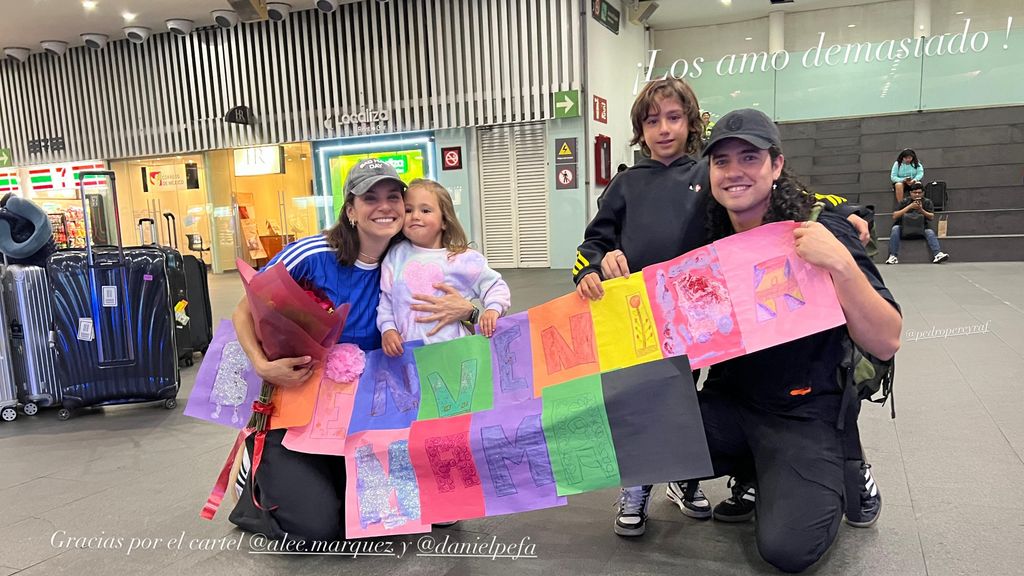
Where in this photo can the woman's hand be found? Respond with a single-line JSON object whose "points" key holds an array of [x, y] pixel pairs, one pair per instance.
{"points": [[815, 244], [488, 322], [445, 310], [589, 287], [391, 342], [614, 265], [286, 372]]}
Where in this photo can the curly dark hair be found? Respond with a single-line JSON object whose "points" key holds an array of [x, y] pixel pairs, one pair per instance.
{"points": [[790, 200], [908, 152]]}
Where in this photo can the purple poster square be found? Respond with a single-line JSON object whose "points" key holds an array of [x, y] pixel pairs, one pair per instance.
{"points": [[511, 359], [511, 457], [226, 384]]}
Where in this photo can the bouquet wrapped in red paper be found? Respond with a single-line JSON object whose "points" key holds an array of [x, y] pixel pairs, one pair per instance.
{"points": [[291, 321]]}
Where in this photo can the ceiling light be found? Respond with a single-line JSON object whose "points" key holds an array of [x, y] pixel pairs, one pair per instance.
{"points": [[726, 2], [17, 53], [851, 25], [128, 16], [89, 4], [748, 38], [960, 12]]}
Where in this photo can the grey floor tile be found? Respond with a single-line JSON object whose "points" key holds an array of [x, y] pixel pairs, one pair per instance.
{"points": [[972, 539]]}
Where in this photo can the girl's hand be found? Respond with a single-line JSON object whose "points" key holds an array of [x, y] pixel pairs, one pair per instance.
{"points": [[391, 342], [488, 322], [818, 246], [589, 287], [448, 309], [286, 372]]}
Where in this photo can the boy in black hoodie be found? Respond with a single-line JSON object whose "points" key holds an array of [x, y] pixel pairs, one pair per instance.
{"points": [[654, 212]]}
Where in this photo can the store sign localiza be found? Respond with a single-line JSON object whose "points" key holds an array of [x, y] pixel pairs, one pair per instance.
{"points": [[367, 120]]}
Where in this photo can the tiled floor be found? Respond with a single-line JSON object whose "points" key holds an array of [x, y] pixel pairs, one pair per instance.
{"points": [[74, 495]]}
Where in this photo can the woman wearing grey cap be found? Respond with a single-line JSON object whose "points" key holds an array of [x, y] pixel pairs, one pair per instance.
{"points": [[303, 495]]}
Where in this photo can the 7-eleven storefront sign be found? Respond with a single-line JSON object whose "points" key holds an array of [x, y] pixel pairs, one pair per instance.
{"points": [[60, 180], [9, 181]]}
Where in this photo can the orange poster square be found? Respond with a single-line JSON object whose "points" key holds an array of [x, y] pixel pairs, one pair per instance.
{"points": [[563, 343], [293, 406]]}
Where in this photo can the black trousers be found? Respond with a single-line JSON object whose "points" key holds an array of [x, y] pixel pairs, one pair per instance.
{"points": [[799, 466], [308, 491]]}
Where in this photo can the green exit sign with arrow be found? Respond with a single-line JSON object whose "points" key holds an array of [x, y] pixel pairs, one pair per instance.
{"points": [[5, 158], [567, 104]]}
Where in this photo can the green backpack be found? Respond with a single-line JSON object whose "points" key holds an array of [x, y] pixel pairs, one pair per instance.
{"points": [[866, 377]]}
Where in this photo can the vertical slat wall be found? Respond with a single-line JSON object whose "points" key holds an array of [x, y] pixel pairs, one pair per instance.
{"points": [[429, 64]]}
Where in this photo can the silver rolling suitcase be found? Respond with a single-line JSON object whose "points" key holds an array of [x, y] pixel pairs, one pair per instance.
{"points": [[8, 392], [27, 300]]}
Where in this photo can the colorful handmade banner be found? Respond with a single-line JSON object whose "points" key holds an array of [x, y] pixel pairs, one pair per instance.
{"points": [[293, 405], [511, 356], [455, 377], [562, 341], [382, 495], [692, 308], [624, 325], [388, 393], [777, 296], [511, 452], [226, 383]]}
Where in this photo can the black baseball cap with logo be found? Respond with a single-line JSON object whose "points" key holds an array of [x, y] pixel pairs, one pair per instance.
{"points": [[746, 124], [367, 173]]}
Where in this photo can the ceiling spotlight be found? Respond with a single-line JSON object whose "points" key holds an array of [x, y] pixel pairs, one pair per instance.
{"points": [[278, 11], [180, 26], [89, 4], [327, 6], [19, 54], [225, 18], [95, 41], [128, 16], [137, 34], [851, 25], [54, 47]]}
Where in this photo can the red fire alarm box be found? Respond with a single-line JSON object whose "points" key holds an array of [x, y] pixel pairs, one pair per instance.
{"points": [[602, 160]]}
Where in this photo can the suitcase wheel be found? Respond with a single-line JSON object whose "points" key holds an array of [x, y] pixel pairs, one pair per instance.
{"points": [[63, 414], [171, 403], [30, 409], [8, 414]]}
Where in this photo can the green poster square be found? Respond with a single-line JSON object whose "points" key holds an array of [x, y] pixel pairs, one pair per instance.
{"points": [[455, 377], [579, 438]]}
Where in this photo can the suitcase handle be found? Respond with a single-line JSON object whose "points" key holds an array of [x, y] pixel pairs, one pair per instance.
{"points": [[82, 177], [172, 230], [142, 231]]}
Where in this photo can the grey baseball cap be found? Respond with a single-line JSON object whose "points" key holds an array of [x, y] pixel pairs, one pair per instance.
{"points": [[747, 124], [368, 173]]}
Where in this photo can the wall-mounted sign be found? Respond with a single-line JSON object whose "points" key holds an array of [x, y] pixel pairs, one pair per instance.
{"points": [[606, 14], [6, 158], [259, 161], [240, 115], [9, 181], [451, 158], [366, 121], [60, 180], [600, 109], [567, 104], [565, 150], [170, 177]]}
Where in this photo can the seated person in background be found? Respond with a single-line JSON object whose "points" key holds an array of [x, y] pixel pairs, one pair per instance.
{"points": [[906, 170], [912, 216]]}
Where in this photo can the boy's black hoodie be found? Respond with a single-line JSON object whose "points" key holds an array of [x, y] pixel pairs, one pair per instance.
{"points": [[652, 212]]}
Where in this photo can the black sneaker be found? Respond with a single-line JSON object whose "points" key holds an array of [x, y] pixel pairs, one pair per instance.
{"points": [[690, 499], [632, 517], [740, 506], [863, 499]]}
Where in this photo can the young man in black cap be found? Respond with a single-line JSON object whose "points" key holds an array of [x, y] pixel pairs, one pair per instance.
{"points": [[772, 417]]}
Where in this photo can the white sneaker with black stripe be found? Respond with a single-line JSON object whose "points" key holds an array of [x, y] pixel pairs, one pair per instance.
{"points": [[690, 499], [243, 472], [632, 517]]}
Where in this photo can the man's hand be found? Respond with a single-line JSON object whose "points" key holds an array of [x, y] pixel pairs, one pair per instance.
{"points": [[614, 265], [815, 244], [391, 342], [861, 225], [286, 372], [589, 287], [444, 310]]}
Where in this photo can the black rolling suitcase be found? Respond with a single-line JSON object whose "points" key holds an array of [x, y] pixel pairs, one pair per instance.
{"points": [[179, 296], [197, 289], [113, 324]]}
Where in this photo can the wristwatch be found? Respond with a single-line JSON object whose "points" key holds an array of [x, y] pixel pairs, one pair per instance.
{"points": [[474, 316]]}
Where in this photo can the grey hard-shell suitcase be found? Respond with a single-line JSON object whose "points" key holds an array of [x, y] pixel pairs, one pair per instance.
{"points": [[30, 316], [8, 393]]}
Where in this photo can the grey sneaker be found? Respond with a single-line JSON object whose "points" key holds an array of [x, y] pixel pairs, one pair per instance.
{"points": [[690, 499], [632, 517]]}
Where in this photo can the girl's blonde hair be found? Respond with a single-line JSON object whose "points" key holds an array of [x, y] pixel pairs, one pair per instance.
{"points": [[453, 237]]}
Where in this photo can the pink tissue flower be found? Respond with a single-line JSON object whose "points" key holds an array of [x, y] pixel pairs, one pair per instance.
{"points": [[345, 363]]}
